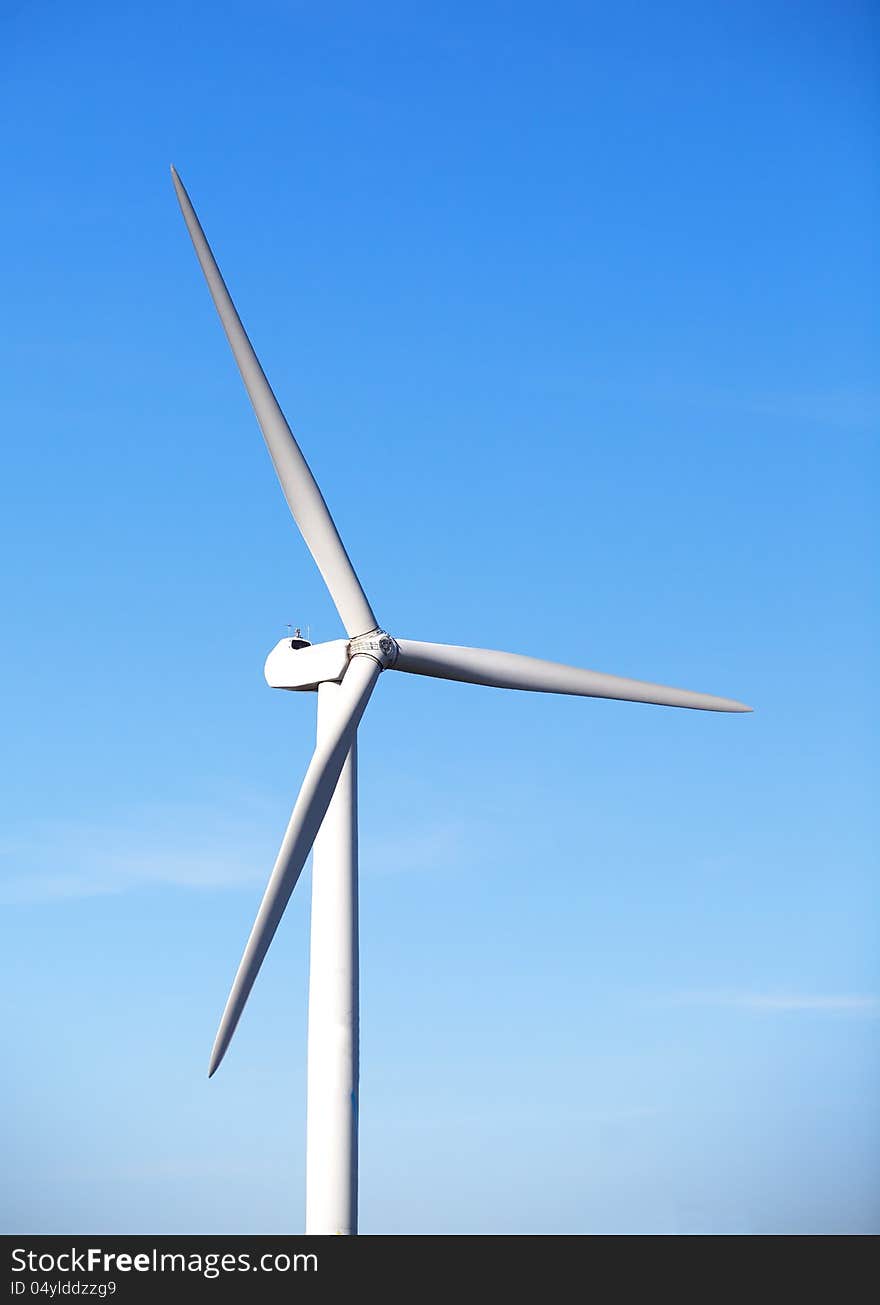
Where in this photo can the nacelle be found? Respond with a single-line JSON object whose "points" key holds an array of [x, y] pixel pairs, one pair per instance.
{"points": [[304, 668]]}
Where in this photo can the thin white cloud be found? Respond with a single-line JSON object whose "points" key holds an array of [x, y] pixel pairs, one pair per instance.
{"points": [[859, 1003], [436, 847], [223, 846], [182, 846], [854, 408]]}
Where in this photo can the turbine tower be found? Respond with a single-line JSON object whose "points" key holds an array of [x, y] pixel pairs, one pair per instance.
{"points": [[344, 673]]}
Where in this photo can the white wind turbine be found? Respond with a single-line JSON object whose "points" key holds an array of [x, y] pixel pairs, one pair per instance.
{"points": [[344, 673]]}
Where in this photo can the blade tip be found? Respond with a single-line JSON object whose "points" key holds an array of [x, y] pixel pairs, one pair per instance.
{"points": [[217, 1054]]}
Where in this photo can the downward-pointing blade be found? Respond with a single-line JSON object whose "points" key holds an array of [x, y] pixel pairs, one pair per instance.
{"points": [[311, 807], [303, 496], [504, 670]]}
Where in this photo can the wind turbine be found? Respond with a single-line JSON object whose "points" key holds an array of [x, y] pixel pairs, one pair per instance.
{"points": [[344, 673]]}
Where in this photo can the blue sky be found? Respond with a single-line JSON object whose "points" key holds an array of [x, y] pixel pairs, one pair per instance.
{"points": [[573, 310]]}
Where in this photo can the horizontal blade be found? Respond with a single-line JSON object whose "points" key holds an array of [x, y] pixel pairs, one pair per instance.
{"points": [[311, 806], [512, 671], [300, 488]]}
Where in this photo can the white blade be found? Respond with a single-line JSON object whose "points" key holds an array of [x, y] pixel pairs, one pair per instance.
{"points": [[300, 489], [311, 806], [511, 671]]}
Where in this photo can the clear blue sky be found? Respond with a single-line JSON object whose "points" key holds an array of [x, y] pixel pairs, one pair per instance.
{"points": [[573, 309]]}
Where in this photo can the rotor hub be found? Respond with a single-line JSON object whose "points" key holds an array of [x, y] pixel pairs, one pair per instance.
{"points": [[378, 644]]}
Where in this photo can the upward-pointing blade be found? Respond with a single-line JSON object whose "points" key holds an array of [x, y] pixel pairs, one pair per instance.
{"points": [[300, 488], [504, 670], [311, 806]]}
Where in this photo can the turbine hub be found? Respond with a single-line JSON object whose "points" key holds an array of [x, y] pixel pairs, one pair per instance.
{"points": [[378, 644]]}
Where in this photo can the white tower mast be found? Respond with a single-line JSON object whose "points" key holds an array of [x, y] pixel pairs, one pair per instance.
{"points": [[332, 1110]]}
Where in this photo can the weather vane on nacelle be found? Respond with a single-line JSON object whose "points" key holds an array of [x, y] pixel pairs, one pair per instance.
{"points": [[296, 640]]}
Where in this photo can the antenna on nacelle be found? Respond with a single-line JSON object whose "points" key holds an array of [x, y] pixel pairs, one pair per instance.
{"points": [[296, 638]]}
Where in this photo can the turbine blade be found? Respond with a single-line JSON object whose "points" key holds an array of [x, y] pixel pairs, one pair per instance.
{"points": [[504, 670], [311, 806], [303, 496]]}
